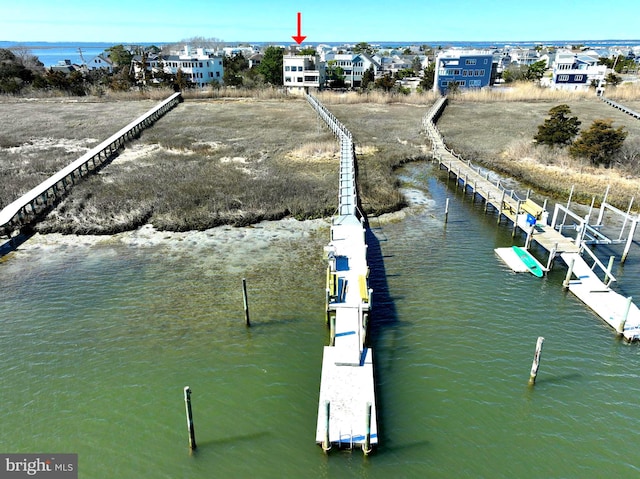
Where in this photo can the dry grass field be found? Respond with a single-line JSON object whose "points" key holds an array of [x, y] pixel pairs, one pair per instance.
{"points": [[207, 162], [239, 160], [499, 135]]}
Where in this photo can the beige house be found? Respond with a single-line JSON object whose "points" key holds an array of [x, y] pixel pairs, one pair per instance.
{"points": [[302, 72]]}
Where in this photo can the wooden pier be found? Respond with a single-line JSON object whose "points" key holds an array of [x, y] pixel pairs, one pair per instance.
{"points": [[26, 208], [622, 108], [347, 402], [617, 311]]}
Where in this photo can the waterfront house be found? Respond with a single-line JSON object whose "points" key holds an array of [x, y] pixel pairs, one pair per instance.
{"points": [[465, 68], [302, 72], [576, 71], [353, 66], [100, 62], [200, 67]]}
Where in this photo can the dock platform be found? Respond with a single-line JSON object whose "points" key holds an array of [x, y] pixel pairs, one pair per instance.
{"points": [[617, 311], [347, 413], [349, 391]]}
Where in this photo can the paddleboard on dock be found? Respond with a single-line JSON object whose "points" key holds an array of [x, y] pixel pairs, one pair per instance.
{"points": [[529, 261]]}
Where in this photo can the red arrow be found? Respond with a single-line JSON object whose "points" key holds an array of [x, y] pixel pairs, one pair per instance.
{"points": [[299, 38]]}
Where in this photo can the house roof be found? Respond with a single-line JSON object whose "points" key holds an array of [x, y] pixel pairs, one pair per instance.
{"points": [[102, 58]]}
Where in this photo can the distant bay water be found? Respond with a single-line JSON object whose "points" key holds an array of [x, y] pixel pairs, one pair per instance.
{"points": [[51, 53]]}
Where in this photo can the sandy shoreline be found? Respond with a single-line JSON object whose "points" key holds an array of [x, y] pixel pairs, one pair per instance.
{"points": [[224, 240]]}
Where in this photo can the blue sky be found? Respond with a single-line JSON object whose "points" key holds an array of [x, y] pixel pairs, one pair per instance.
{"points": [[165, 21]]}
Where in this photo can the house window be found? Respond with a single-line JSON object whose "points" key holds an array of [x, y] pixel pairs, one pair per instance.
{"points": [[563, 77], [485, 61], [287, 68], [471, 61], [218, 74], [299, 79], [287, 79], [579, 78], [475, 83]]}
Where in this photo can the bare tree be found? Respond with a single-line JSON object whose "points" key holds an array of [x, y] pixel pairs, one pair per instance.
{"points": [[214, 44], [27, 58]]}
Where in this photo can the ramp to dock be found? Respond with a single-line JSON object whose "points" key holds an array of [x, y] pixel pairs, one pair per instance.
{"points": [[617, 311]]}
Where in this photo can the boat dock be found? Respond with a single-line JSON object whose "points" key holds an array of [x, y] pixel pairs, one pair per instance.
{"points": [[347, 402], [533, 219]]}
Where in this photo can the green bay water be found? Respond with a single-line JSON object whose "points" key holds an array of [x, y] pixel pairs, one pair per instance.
{"points": [[98, 340]]}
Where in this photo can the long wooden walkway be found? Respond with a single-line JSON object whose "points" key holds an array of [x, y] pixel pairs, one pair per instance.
{"points": [[617, 311], [622, 108], [24, 209], [347, 404], [505, 202]]}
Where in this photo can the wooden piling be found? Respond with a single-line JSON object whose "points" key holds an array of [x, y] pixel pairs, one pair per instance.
{"points": [[446, 210], [246, 302], [500, 207], [620, 328], [187, 402], [515, 220], [536, 361], [366, 447], [332, 330], [609, 269], [552, 256], [567, 279], [326, 444]]}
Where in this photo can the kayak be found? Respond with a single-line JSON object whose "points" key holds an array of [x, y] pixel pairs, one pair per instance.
{"points": [[529, 261]]}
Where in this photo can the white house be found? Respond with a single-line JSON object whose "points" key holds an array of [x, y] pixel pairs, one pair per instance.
{"points": [[301, 72], [101, 62], [576, 71], [200, 67], [353, 66]]}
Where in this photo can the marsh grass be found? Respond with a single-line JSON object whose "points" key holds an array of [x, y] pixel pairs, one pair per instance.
{"points": [[38, 138], [209, 163], [499, 135], [386, 135], [377, 97]]}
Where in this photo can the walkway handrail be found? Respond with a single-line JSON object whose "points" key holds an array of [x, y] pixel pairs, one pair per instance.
{"points": [[428, 123], [347, 190], [112, 143], [623, 108]]}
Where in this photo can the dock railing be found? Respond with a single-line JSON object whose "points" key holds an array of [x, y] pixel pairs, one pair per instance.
{"points": [[440, 148], [347, 405], [347, 191], [620, 107]]}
